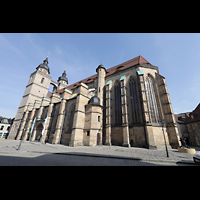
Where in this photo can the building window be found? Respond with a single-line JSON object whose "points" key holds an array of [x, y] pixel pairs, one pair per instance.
{"points": [[118, 104], [151, 97], [88, 133], [42, 80], [135, 103], [99, 118], [1, 128]]}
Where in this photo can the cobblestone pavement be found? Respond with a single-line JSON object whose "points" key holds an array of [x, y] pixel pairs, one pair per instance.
{"points": [[34, 153]]}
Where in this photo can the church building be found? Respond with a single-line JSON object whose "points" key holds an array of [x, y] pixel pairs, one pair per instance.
{"points": [[123, 105]]}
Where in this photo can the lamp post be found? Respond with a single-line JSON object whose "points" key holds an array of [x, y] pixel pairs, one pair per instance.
{"points": [[162, 124]]}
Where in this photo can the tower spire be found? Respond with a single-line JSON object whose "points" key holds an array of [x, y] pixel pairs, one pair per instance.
{"points": [[46, 60], [63, 80], [48, 54], [63, 77]]}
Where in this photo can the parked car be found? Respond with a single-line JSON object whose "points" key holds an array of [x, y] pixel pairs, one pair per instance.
{"points": [[196, 157]]}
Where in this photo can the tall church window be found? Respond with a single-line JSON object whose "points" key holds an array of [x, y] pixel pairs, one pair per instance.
{"points": [[135, 103], [152, 101], [118, 104]]}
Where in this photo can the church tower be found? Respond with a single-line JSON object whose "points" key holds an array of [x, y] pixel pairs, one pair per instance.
{"points": [[101, 74], [62, 81], [36, 89]]}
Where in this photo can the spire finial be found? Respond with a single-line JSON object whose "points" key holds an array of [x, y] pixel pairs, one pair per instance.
{"points": [[48, 54], [46, 60], [64, 73]]}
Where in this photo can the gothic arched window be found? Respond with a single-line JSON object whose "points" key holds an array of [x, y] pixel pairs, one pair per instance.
{"points": [[151, 97], [135, 103], [118, 104]]}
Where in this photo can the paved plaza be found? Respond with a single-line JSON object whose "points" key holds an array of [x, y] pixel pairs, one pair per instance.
{"points": [[37, 154]]}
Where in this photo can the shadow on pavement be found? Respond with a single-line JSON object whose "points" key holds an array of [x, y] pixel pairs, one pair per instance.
{"points": [[63, 159]]}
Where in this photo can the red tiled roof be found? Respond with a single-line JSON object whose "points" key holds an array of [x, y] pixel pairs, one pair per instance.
{"points": [[60, 91], [127, 64], [110, 71]]}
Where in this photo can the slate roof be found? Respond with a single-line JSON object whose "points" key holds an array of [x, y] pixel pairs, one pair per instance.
{"points": [[44, 65]]}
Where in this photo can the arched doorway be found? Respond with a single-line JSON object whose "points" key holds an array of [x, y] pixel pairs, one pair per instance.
{"points": [[39, 131]]}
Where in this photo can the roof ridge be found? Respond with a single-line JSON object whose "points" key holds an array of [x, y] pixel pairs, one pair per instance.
{"points": [[137, 60]]}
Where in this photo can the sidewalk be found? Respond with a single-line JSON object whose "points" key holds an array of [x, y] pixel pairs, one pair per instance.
{"points": [[133, 153]]}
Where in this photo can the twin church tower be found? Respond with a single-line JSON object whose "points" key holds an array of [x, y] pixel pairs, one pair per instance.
{"points": [[36, 89], [122, 105]]}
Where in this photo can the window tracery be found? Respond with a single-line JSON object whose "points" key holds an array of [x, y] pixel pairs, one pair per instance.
{"points": [[135, 103], [152, 101]]}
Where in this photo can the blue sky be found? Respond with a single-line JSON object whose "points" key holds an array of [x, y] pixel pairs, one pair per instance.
{"points": [[177, 56]]}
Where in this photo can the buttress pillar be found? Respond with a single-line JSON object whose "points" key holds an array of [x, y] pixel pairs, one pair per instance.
{"points": [[22, 126], [108, 115], [59, 123], [38, 117], [169, 118], [126, 141], [79, 117], [29, 124], [47, 122]]}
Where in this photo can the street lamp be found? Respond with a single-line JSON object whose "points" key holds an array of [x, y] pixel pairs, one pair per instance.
{"points": [[162, 124]]}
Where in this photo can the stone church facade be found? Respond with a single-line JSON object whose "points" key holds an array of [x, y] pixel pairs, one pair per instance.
{"points": [[122, 105]]}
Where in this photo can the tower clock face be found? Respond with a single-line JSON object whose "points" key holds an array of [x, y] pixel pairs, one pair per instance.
{"points": [[45, 71]]}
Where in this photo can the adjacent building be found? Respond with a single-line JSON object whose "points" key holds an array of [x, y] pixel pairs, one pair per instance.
{"points": [[189, 126], [5, 125]]}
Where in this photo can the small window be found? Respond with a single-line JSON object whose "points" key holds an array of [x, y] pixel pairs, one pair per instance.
{"points": [[99, 118], [8, 128], [42, 80], [1, 128], [88, 133]]}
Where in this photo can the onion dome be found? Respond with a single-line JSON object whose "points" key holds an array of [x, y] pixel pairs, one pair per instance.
{"points": [[94, 100], [44, 65], [63, 77]]}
